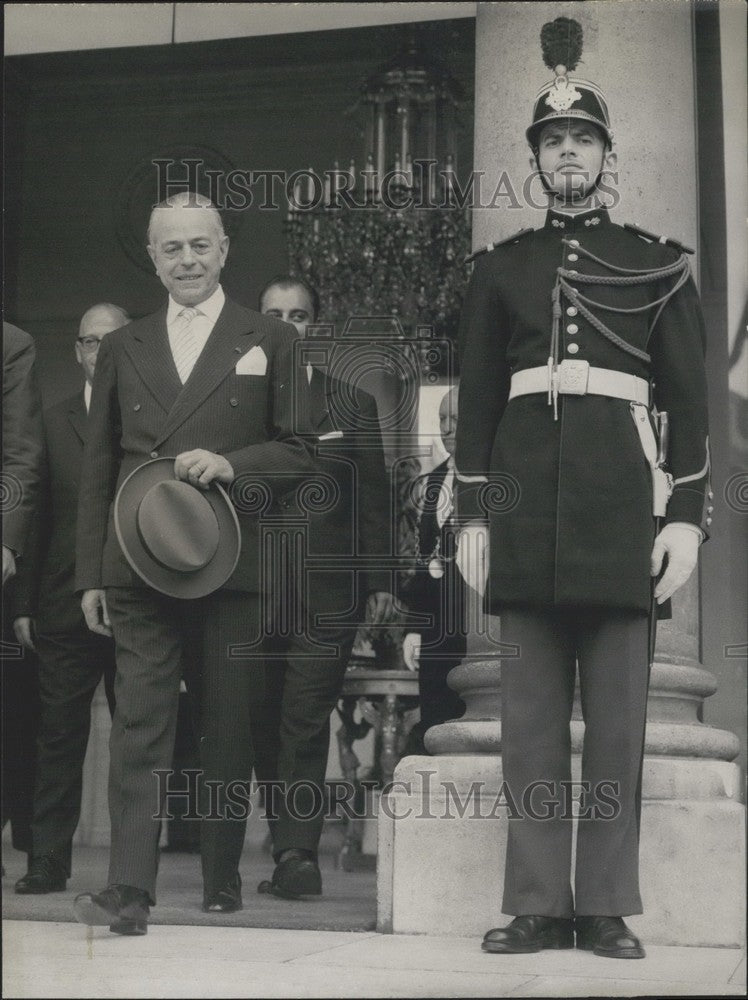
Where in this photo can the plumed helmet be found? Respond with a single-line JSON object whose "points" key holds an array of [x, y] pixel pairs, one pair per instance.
{"points": [[566, 97]]}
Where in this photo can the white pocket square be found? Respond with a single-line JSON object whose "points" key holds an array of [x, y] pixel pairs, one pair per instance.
{"points": [[331, 435], [254, 362]]}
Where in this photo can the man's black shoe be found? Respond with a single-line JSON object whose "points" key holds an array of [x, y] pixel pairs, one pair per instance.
{"points": [[296, 875], [227, 899], [46, 874], [608, 937], [125, 908], [527, 934]]}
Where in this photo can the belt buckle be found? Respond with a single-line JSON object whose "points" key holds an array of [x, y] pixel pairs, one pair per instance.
{"points": [[573, 377]]}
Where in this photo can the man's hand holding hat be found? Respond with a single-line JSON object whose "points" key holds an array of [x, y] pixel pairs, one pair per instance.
{"points": [[176, 524], [200, 467], [93, 606]]}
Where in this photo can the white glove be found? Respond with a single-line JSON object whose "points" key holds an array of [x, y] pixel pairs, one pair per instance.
{"points": [[471, 557], [412, 650], [681, 543]]}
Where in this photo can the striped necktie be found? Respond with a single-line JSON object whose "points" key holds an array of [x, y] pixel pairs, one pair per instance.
{"points": [[185, 348]]}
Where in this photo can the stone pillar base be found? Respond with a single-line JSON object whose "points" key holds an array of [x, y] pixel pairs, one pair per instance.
{"points": [[442, 841]]}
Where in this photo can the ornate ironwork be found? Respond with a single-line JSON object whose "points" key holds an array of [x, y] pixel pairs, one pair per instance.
{"points": [[391, 239]]}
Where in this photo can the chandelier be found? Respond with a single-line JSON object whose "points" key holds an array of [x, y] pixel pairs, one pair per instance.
{"points": [[389, 240]]}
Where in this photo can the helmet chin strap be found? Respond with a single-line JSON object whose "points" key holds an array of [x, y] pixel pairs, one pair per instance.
{"points": [[554, 194]]}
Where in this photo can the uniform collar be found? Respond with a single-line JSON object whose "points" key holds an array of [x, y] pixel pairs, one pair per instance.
{"points": [[595, 218]]}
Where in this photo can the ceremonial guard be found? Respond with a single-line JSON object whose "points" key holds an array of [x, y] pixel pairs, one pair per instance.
{"points": [[583, 387]]}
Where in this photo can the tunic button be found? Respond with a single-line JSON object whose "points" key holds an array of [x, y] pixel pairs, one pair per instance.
{"points": [[709, 520], [154, 454], [573, 256], [233, 401], [572, 311], [573, 243], [136, 407], [572, 328], [572, 348]]}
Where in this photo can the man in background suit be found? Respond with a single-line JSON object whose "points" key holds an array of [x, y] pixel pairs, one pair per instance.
{"points": [[437, 590], [209, 383], [48, 618], [22, 460], [305, 677]]}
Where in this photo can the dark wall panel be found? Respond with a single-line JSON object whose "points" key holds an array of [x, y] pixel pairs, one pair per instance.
{"points": [[83, 124]]}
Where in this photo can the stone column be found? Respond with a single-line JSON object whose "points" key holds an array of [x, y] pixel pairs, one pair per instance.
{"points": [[442, 841]]}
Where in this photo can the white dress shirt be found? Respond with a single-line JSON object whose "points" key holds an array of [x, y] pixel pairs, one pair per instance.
{"points": [[202, 325]]}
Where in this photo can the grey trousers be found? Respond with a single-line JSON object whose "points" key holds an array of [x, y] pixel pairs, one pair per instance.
{"points": [[157, 640], [612, 650]]}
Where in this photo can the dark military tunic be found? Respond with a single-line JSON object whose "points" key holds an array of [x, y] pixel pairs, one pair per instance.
{"points": [[570, 500]]}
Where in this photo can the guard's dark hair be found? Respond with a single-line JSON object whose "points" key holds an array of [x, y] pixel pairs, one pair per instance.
{"points": [[291, 281]]}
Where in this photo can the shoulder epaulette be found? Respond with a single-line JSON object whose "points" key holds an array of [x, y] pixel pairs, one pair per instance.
{"points": [[499, 243], [653, 238]]}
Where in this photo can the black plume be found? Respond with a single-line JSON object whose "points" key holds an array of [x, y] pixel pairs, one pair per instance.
{"points": [[561, 42]]}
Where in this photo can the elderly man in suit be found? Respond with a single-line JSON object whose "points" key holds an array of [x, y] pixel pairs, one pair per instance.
{"points": [[437, 590], [22, 461], [305, 677], [209, 384], [48, 618]]}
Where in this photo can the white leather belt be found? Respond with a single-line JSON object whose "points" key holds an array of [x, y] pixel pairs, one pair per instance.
{"points": [[579, 378]]}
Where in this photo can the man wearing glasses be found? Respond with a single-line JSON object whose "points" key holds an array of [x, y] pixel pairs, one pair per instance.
{"points": [[48, 618]]}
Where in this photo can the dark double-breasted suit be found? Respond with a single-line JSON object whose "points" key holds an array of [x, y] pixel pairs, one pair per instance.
{"points": [[72, 659], [140, 410], [569, 502], [342, 512]]}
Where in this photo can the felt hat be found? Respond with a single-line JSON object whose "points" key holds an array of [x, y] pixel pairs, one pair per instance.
{"points": [[179, 539]]}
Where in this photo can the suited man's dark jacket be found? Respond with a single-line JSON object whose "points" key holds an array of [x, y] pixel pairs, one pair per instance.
{"points": [[571, 512], [22, 437], [45, 587], [140, 410], [346, 504]]}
